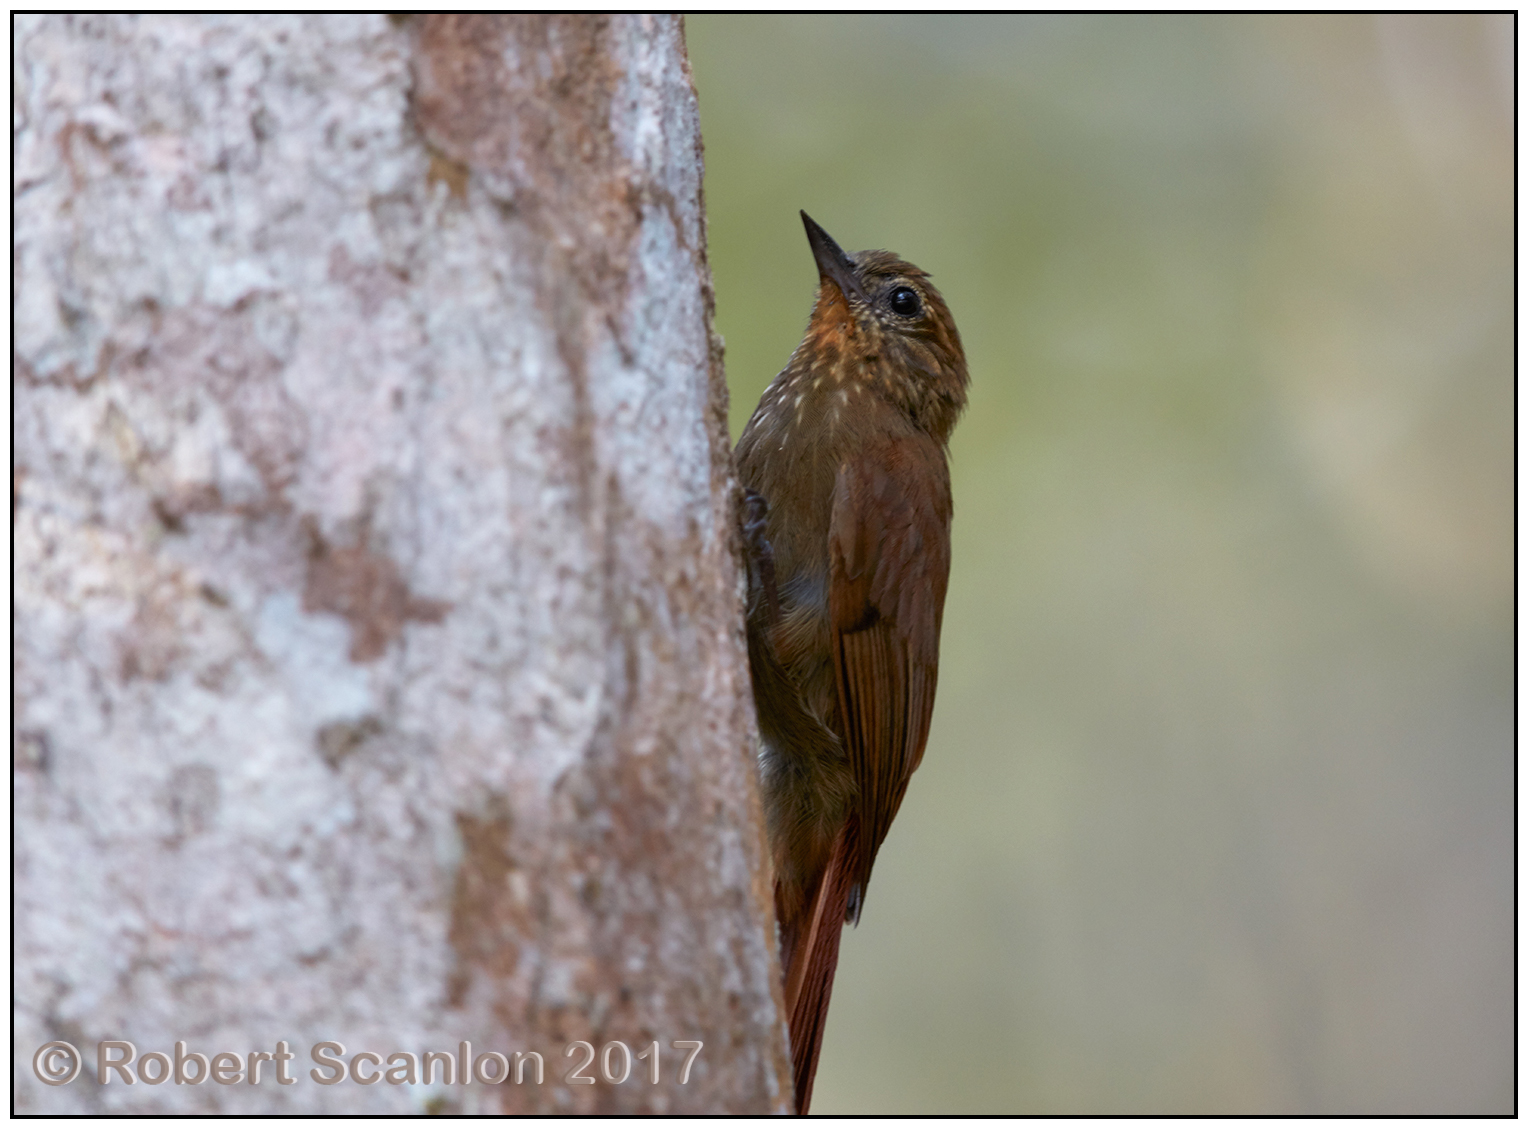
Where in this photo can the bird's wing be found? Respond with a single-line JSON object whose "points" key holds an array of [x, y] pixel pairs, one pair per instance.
{"points": [[888, 567]]}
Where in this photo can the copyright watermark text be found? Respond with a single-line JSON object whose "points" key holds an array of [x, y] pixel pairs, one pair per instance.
{"points": [[58, 1063]]}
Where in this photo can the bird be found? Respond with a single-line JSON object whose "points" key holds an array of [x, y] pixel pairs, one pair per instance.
{"points": [[845, 520]]}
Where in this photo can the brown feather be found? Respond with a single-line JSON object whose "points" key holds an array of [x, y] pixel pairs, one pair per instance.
{"points": [[810, 969], [888, 569]]}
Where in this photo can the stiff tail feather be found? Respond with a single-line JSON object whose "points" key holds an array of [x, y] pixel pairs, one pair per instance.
{"points": [[811, 957]]}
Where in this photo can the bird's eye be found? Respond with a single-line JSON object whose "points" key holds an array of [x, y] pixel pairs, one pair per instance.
{"points": [[904, 302]]}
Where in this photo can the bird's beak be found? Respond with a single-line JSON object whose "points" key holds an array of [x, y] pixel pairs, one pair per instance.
{"points": [[832, 263]]}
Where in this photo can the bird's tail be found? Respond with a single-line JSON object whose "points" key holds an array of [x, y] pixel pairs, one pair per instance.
{"points": [[810, 955]]}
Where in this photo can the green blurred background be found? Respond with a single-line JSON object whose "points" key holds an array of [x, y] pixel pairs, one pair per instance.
{"points": [[1217, 814]]}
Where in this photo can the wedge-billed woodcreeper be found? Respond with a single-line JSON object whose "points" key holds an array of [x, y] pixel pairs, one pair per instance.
{"points": [[847, 530]]}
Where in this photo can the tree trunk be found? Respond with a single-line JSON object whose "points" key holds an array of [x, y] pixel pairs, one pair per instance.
{"points": [[378, 657]]}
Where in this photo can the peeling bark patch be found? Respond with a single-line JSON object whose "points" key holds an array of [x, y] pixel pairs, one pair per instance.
{"points": [[374, 285], [453, 174], [339, 739], [191, 799], [18, 477], [175, 505], [489, 904], [525, 104], [33, 751], [367, 590], [153, 642], [171, 354]]}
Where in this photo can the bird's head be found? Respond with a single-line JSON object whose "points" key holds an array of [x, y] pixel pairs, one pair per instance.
{"points": [[879, 322]]}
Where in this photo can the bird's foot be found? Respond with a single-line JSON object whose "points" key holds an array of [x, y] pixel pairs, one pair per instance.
{"points": [[761, 556]]}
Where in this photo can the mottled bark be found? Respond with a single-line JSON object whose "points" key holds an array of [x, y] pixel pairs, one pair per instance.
{"points": [[378, 656]]}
